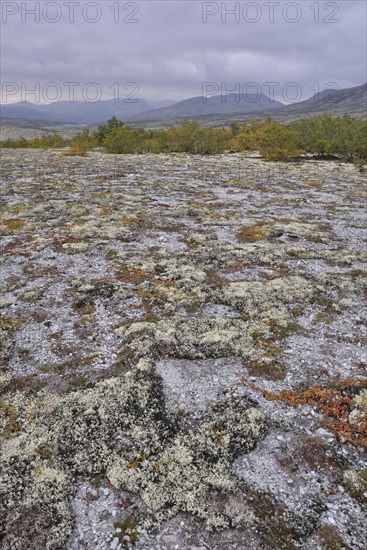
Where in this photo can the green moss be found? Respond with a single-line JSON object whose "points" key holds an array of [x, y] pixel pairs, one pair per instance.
{"points": [[14, 224], [127, 528], [44, 452], [282, 330], [84, 307], [356, 484], [7, 323], [277, 528], [29, 383], [272, 369], [252, 234], [331, 539]]}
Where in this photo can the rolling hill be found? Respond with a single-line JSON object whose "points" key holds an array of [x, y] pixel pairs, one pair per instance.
{"points": [[347, 101], [79, 112], [200, 106], [215, 111]]}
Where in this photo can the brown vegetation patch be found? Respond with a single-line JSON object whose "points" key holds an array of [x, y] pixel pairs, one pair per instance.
{"points": [[336, 405]]}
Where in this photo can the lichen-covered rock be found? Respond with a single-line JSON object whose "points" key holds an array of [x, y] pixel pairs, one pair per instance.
{"points": [[7, 343], [240, 277], [193, 465], [171, 469]]}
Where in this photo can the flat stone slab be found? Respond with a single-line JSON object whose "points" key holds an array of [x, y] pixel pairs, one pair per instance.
{"points": [[191, 385]]}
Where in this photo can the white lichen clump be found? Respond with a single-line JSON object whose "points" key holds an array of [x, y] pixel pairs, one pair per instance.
{"points": [[172, 469]]}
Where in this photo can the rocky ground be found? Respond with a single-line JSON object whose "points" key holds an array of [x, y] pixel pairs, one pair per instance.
{"points": [[15, 130], [183, 350]]}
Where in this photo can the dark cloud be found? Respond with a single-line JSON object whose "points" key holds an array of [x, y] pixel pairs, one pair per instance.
{"points": [[170, 51]]}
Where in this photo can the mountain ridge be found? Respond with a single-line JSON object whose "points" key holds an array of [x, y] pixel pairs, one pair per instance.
{"points": [[346, 101], [215, 110]]}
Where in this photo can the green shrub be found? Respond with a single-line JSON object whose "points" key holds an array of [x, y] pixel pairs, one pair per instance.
{"points": [[325, 136], [47, 141], [19, 143], [122, 140], [104, 129]]}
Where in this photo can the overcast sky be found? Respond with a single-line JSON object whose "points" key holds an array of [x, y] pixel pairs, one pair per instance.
{"points": [[169, 51]]}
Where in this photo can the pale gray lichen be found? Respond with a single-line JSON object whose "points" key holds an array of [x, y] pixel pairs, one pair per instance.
{"points": [[172, 469], [261, 304], [256, 297], [356, 483], [7, 343], [193, 465]]}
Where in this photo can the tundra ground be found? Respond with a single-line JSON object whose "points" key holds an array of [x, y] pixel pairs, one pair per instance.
{"points": [[183, 352]]}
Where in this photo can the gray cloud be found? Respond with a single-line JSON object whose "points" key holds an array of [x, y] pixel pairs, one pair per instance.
{"points": [[171, 51]]}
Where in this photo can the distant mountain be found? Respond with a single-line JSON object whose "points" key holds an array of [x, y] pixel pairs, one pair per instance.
{"points": [[24, 110], [79, 112], [348, 101], [215, 111], [160, 104], [200, 106]]}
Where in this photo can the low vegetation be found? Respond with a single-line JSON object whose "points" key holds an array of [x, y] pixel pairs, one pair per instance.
{"points": [[323, 136], [344, 407], [145, 297], [47, 141]]}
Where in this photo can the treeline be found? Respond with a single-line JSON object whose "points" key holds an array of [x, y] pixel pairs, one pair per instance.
{"points": [[46, 141], [343, 138]]}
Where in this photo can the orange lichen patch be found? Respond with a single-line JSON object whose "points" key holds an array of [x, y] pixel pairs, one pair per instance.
{"points": [[162, 282], [215, 279], [139, 460], [336, 405], [252, 234], [134, 220], [128, 220], [106, 210], [77, 150], [313, 184], [10, 426], [131, 275]]}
